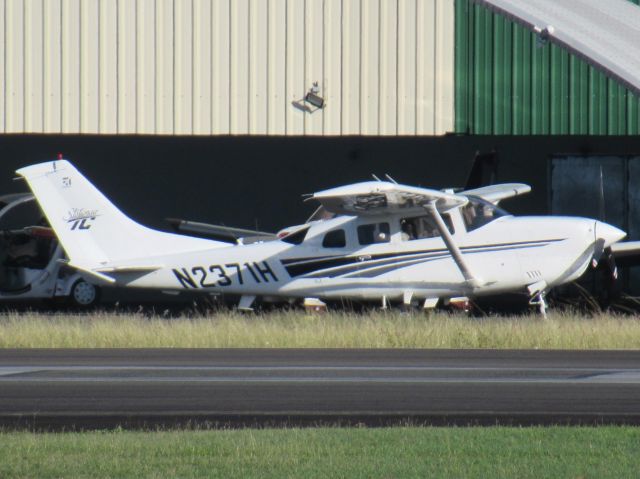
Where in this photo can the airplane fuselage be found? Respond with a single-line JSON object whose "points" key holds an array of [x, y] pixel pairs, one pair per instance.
{"points": [[507, 254]]}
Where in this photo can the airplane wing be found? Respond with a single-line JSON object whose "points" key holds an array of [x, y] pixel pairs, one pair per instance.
{"points": [[226, 234], [626, 253], [382, 197], [497, 193]]}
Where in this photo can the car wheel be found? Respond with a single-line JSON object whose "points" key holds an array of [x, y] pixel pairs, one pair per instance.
{"points": [[84, 294]]}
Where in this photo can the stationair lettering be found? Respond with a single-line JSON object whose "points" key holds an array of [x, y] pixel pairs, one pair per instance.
{"points": [[224, 275]]}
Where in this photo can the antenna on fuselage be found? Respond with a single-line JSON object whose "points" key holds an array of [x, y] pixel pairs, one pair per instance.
{"points": [[375, 177], [388, 177]]}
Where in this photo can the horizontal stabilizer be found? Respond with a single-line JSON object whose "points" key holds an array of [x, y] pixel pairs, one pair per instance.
{"points": [[95, 275], [129, 269], [226, 234]]}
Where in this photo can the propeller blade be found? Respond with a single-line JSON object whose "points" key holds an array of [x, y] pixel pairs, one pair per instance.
{"points": [[611, 264], [598, 251], [601, 210], [604, 258], [609, 270]]}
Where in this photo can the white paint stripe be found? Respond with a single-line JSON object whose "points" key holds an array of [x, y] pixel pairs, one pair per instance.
{"points": [[622, 377], [18, 369], [341, 380]]}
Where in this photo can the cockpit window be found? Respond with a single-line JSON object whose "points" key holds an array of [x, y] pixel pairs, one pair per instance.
{"points": [[421, 227], [297, 237], [373, 233], [334, 239], [320, 214], [479, 212]]}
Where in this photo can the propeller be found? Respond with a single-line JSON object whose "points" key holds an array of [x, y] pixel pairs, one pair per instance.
{"points": [[602, 254]]}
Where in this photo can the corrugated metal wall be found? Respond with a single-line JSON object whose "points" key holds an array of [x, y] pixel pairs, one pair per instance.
{"points": [[207, 67], [507, 83]]}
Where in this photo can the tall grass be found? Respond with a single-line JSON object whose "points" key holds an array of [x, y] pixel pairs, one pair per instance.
{"points": [[334, 330]]}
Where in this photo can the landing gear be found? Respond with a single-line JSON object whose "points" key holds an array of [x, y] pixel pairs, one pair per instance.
{"points": [[246, 302], [83, 294], [537, 293], [385, 303], [539, 301]]}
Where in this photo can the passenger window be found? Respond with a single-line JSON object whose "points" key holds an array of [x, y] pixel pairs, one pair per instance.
{"points": [[421, 227], [373, 233], [334, 239]]}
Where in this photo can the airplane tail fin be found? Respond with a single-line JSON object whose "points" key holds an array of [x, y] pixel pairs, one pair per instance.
{"points": [[92, 231]]}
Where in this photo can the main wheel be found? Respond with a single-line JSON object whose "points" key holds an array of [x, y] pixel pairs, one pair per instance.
{"points": [[84, 294]]}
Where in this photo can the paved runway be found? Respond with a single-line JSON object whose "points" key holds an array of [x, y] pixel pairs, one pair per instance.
{"points": [[105, 388]]}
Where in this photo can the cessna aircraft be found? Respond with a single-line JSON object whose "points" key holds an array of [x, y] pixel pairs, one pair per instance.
{"points": [[377, 240]]}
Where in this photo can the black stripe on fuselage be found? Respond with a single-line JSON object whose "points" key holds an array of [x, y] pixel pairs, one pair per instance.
{"points": [[332, 272], [308, 266], [378, 269]]}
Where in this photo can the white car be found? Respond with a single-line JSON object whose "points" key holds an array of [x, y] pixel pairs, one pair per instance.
{"points": [[32, 262]]}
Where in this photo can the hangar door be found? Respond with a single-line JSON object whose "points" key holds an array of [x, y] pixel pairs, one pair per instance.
{"points": [[575, 191]]}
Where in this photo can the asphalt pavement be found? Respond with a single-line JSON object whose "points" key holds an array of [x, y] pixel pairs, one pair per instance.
{"points": [[89, 388]]}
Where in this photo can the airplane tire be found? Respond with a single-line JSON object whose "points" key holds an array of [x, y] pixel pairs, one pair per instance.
{"points": [[84, 294]]}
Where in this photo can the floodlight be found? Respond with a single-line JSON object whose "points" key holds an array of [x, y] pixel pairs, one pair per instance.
{"points": [[313, 96]]}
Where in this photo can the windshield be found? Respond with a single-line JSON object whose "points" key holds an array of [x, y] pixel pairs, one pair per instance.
{"points": [[479, 212]]}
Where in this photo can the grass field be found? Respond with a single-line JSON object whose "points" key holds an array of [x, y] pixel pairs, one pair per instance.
{"points": [[404, 452], [334, 330]]}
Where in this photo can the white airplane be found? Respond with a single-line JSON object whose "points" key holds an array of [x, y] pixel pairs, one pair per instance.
{"points": [[385, 242]]}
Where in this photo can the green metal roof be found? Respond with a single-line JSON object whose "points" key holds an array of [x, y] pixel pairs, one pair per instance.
{"points": [[507, 82]]}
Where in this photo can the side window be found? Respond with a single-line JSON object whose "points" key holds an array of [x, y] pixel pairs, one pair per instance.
{"points": [[334, 239], [421, 227], [479, 212], [373, 233], [297, 237]]}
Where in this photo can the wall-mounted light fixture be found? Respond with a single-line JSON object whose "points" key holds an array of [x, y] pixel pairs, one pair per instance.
{"points": [[312, 101], [313, 96]]}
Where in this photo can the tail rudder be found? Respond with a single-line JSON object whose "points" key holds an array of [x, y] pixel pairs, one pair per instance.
{"points": [[91, 229]]}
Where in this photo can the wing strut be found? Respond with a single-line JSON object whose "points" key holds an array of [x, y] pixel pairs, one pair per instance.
{"points": [[470, 279]]}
